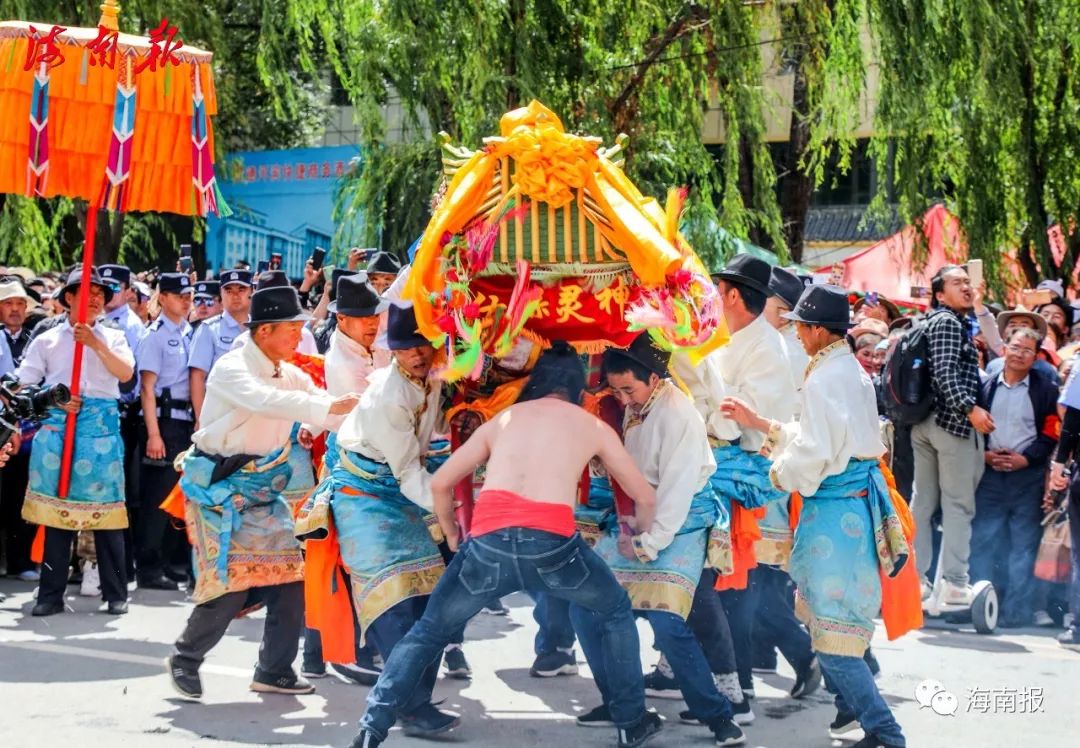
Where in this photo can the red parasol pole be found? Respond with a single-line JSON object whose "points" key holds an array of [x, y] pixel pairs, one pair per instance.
{"points": [[77, 358]]}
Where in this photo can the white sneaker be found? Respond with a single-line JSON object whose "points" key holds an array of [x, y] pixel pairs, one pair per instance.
{"points": [[1043, 619], [1067, 621], [91, 581], [956, 595], [927, 589]]}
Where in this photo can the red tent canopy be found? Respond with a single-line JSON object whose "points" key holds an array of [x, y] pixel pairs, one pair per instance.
{"points": [[886, 267]]}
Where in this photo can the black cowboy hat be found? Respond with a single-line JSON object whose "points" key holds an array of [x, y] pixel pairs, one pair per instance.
{"points": [[786, 286], [272, 279], [384, 262], [826, 306], [276, 304], [646, 352], [337, 274], [356, 298], [748, 271], [401, 329], [73, 281]]}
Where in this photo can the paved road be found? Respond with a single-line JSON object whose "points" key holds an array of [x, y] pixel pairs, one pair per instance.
{"points": [[98, 680]]}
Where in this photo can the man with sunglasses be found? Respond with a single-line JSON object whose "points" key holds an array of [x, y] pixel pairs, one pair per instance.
{"points": [[207, 302]]}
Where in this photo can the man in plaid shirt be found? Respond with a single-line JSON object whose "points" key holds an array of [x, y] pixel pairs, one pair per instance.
{"points": [[948, 447]]}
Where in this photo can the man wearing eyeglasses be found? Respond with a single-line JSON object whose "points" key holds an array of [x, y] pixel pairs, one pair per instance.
{"points": [[1023, 403]]}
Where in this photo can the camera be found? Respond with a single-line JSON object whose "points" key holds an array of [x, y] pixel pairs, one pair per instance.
{"points": [[29, 403]]}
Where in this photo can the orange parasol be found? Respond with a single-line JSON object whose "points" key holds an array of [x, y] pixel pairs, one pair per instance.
{"points": [[120, 121]]}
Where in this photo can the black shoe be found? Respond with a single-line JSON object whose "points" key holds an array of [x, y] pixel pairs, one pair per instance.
{"points": [[314, 670], [844, 723], [727, 732], [364, 676], [185, 680], [872, 741], [687, 717], [176, 575], [496, 608], [290, 683], [741, 713], [160, 582], [429, 720], [646, 728], [1069, 638], [47, 609], [456, 665], [659, 686], [554, 663], [117, 607], [872, 663], [807, 680], [365, 740], [598, 717]]}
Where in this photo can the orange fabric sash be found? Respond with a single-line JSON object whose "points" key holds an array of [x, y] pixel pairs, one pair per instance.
{"points": [[744, 533], [326, 598], [901, 596]]}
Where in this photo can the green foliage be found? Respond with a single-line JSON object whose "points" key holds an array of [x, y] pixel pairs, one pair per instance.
{"points": [[981, 103]]}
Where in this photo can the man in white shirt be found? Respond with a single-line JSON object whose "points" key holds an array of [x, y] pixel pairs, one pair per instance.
{"points": [[752, 366], [244, 548], [380, 505], [95, 499], [848, 531], [785, 288], [660, 565]]}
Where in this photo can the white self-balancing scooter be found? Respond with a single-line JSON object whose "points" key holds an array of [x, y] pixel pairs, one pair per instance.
{"points": [[982, 613]]}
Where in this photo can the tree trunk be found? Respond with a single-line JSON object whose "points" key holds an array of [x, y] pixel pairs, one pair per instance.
{"points": [[796, 186]]}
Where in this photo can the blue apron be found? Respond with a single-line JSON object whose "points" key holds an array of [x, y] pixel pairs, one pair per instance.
{"points": [[95, 499]]}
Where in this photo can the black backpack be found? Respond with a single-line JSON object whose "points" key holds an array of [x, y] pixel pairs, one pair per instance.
{"points": [[905, 379]]}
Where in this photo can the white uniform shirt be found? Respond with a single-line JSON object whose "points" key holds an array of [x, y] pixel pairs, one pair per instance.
{"points": [[48, 358], [248, 410], [671, 449], [754, 367], [397, 415], [839, 423]]}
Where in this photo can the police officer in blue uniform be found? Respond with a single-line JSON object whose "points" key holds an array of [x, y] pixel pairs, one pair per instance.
{"points": [[118, 314], [168, 420], [216, 335], [207, 302]]}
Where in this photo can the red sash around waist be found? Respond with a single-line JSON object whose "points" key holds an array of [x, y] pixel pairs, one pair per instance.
{"points": [[498, 510]]}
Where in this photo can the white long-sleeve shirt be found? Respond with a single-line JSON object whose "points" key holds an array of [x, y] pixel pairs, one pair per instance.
{"points": [[753, 367], [839, 422], [251, 405], [393, 423], [348, 367], [306, 345], [796, 354], [48, 359], [670, 447]]}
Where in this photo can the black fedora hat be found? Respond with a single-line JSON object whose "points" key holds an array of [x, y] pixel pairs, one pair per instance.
{"points": [[384, 262], [401, 329], [826, 306], [786, 286], [272, 279], [73, 281], [646, 352], [356, 298], [748, 271], [276, 304], [337, 274]]}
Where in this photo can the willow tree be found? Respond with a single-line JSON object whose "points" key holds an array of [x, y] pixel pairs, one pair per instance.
{"points": [[980, 100], [644, 69]]}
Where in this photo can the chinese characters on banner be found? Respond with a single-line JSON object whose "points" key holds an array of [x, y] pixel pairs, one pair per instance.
{"points": [[44, 51], [568, 310], [298, 172]]}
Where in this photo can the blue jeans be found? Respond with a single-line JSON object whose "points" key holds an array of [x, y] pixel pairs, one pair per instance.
{"points": [[552, 615], [497, 564], [1008, 513], [775, 624], [856, 693], [675, 640]]}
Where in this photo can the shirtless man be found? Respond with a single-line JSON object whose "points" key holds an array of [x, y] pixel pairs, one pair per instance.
{"points": [[523, 537]]}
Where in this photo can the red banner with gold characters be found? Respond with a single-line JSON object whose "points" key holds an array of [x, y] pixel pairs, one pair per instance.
{"points": [[569, 310]]}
